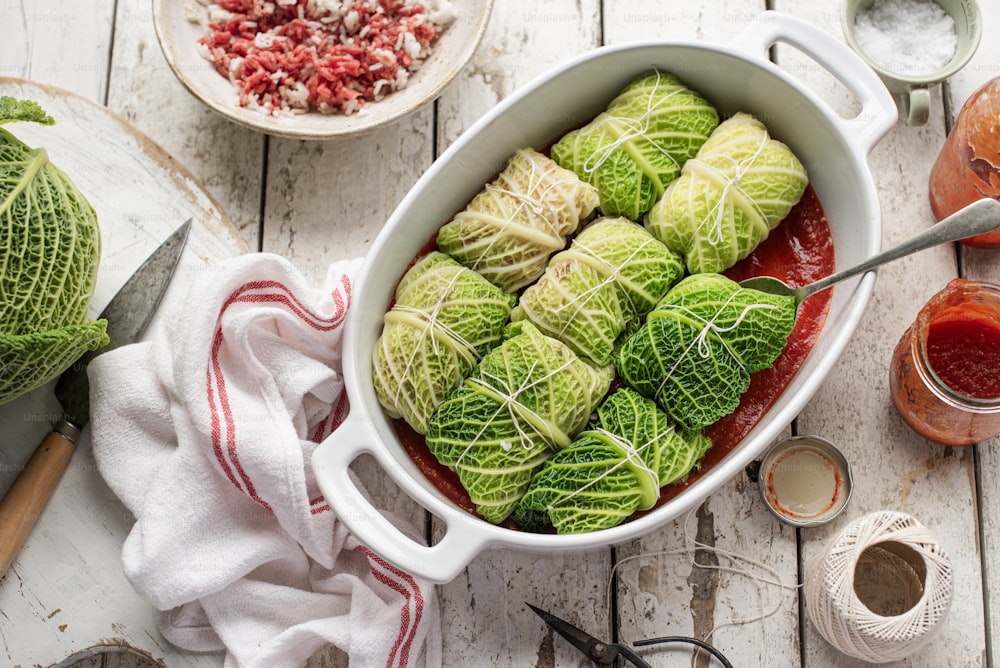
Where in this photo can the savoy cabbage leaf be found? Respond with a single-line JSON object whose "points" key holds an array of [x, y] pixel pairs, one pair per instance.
{"points": [[510, 229], [616, 467], [613, 273], [527, 398], [444, 319], [696, 350], [13, 109], [729, 197], [633, 149]]}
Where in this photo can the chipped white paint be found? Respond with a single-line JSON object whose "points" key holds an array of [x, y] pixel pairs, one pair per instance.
{"points": [[324, 201]]}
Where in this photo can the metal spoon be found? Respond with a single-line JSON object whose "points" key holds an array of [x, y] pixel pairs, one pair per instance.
{"points": [[977, 218]]}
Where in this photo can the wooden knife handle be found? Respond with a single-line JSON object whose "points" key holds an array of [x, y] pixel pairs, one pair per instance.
{"points": [[32, 488]]}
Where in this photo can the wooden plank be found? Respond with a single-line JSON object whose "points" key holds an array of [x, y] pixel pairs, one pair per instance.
{"points": [[660, 590], [981, 264], [30, 29], [896, 470], [226, 158]]}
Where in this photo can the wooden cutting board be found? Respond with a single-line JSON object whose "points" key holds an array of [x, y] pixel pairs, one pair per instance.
{"points": [[66, 591]]}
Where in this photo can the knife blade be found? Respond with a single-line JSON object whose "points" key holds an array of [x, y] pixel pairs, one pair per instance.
{"points": [[127, 314]]}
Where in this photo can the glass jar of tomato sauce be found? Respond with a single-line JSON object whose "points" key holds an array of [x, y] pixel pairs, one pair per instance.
{"points": [[945, 371], [968, 165]]}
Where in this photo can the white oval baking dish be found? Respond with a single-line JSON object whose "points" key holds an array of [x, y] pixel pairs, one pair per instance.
{"points": [[735, 77]]}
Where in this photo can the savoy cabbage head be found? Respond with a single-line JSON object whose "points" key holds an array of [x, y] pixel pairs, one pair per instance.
{"points": [[50, 248]]}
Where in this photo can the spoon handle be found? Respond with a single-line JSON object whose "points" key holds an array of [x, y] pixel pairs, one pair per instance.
{"points": [[977, 218]]}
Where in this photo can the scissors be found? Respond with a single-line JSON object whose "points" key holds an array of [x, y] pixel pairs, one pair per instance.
{"points": [[606, 653]]}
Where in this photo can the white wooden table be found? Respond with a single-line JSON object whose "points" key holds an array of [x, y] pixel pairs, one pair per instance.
{"points": [[310, 204]]}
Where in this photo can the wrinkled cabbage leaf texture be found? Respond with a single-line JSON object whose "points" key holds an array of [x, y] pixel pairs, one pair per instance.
{"points": [[50, 249], [617, 466], [636, 147], [729, 197], [444, 319], [696, 350], [529, 397], [512, 227], [612, 274]]}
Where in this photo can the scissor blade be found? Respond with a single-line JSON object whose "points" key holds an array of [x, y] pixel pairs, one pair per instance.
{"points": [[577, 637]]}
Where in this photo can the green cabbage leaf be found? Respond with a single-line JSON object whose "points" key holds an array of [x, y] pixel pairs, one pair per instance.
{"points": [[612, 274], [617, 466], [512, 227], [528, 397], [50, 251], [696, 350], [631, 151], [729, 197], [444, 319]]}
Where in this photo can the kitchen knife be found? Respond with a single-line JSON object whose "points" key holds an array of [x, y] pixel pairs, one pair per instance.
{"points": [[128, 314]]}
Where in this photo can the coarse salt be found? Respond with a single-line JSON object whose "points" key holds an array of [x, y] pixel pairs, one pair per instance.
{"points": [[908, 37]]}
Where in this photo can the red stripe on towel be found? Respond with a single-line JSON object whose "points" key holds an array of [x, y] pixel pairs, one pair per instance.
{"points": [[262, 292], [407, 587]]}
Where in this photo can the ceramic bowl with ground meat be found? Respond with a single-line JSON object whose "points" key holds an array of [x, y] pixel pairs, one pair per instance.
{"points": [[318, 69]]}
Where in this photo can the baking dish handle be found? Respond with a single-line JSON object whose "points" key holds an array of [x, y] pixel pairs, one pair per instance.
{"points": [[438, 563], [878, 109]]}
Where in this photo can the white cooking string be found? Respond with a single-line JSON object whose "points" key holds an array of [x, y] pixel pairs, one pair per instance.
{"points": [[506, 399], [531, 197], [716, 213], [760, 573], [610, 273], [430, 324], [635, 128], [631, 453], [701, 340]]}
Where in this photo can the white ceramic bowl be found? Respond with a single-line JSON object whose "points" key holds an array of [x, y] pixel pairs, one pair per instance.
{"points": [[178, 37], [734, 77]]}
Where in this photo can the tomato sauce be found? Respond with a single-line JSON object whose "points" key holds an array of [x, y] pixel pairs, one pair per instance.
{"points": [[805, 236], [963, 349]]}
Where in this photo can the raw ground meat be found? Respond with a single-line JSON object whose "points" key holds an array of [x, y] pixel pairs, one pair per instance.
{"points": [[329, 56]]}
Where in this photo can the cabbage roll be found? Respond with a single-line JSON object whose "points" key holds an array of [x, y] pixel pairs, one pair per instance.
{"points": [[611, 276], [729, 197], [510, 229], [616, 467], [633, 149], [696, 350], [444, 319], [529, 397]]}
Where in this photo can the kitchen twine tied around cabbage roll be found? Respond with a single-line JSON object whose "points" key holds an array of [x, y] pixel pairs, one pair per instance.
{"points": [[533, 198], [636, 127], [701, 341], [881, 589], [633, 455], [613, 273], [718, 211], [429, 319], [520, 414]]}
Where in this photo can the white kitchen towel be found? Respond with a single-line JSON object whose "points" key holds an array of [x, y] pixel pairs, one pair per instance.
{"points": [[205, 431]]}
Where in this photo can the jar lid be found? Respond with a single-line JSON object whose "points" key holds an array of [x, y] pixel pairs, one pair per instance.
{"points": [[805, 480]]}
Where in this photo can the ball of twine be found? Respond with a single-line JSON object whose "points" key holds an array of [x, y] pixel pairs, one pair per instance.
{"points": [[881, 588]]}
